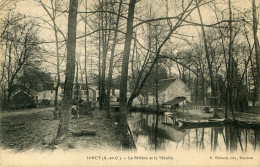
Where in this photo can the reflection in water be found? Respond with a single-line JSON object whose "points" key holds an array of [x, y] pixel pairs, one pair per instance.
{"points": [[152, 132]]}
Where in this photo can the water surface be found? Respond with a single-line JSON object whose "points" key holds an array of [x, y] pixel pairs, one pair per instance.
{"points": [[150, 133]]}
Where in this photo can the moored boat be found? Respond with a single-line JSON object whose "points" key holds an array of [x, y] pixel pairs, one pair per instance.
{"points": [[200, 123]]}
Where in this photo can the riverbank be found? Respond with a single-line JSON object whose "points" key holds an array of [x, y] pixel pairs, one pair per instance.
{"points": [[35, 129]]}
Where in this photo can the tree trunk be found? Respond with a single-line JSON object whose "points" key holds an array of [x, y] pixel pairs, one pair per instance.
{"points": [[77, 86], [204, 102], [255, 84], [196, 87], [99, 63], [58, 73], [156, 80], [104, 49], [58, 62], [70, 70], [85, 60], [124, 73], [212, 82], [110, 72], [55, 29], [257, 52], [9, 75], [230, 63], [106, 39]]}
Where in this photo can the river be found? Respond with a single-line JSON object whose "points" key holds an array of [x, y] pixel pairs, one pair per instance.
{"points": [[164, 137]]}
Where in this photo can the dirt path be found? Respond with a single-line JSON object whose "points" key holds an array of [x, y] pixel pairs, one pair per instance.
{"points": [[35, 129], [22, 130], [21, 112]]}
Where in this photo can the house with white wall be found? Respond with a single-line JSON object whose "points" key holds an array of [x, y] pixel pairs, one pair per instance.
{"points": [[173, 88], [80, 91], [48, 93], [168, 90]]}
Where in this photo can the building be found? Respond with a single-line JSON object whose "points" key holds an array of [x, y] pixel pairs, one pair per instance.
{"points": [[80, 92], [172, 90], [169, 89], [22, 99], [48, 93]]}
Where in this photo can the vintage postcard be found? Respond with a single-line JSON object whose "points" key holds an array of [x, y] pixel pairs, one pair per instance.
{"points": [[129, 83]]}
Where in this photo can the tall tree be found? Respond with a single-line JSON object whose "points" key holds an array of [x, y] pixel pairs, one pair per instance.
{"points": [[257, 51], [140, 84], [21, 42], [230, 62], [110, 72], [53, 16], [105, 24], [85, 53], [124, 73], [70, 71], [212, 81]]}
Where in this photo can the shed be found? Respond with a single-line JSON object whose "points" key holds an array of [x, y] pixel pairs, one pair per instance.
{"points": [[23, 99], [171, 91]]}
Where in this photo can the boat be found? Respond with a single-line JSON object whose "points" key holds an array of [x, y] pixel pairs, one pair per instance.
{"points": [[217, 119], [200, 123], [168, 113]]}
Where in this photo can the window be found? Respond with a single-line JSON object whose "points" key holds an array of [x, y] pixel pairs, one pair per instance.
{"points": [[51, 91]]}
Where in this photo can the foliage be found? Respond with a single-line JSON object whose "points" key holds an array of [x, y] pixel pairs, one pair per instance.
{"points": [[40, 79]]}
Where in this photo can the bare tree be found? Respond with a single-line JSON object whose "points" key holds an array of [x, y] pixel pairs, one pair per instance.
{"points": [[110, 72], [85, 60], [230, 62], [257, 52], [70, 71], [139, 85], [53, 16], [212, 82], [7, 4], [124, 73], [21, 39]]}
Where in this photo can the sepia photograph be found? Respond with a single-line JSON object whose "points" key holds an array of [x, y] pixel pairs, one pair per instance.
{"points": [[129, 83]]}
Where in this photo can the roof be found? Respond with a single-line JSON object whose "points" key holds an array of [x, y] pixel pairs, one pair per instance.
{"points": [[165, 83], [174, 101], [94, 87], [24, 92]]}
